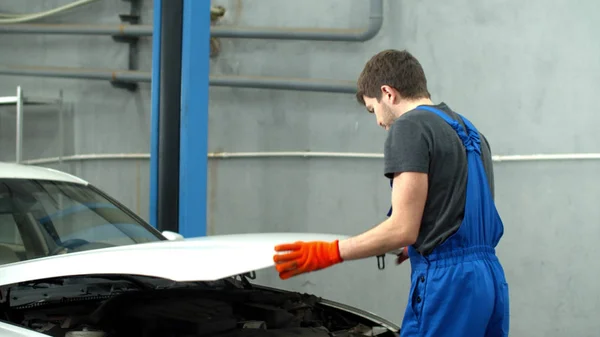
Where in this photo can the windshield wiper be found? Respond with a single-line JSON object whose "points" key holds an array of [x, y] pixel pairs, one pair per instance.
{"points": [[69, 289]]}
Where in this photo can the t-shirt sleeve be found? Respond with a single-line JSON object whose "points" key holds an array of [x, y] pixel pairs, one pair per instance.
{"points": [[407, 148]]}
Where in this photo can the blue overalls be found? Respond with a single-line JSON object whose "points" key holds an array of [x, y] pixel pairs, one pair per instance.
{"points": [[459, 289]]}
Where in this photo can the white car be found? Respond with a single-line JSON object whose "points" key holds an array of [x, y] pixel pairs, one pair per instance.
{"points": [[74, 262]]}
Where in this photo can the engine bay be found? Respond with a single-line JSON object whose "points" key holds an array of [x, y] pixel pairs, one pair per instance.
{"points": [[226, 309]]}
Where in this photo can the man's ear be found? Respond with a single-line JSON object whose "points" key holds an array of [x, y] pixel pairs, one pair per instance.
{"points": [[389, 94]]}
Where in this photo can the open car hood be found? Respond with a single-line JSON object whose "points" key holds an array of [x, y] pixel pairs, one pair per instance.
{"points": [[197, 259]]}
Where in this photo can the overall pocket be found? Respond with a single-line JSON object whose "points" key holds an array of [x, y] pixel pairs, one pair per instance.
{"points": [[505, 306], [417, 296]]}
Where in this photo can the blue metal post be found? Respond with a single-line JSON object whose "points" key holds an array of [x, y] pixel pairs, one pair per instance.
{"points": [[153, 210], [194, 118]]}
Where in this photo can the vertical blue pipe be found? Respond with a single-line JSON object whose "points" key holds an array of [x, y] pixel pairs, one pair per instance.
{"points": [[194, 118], [154, 132]]}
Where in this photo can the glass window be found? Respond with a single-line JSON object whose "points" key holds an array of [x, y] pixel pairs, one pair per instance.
{"points": [[9, 234], [11, 244], [42, 218]]}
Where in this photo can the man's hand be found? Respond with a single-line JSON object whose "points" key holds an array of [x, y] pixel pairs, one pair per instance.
{"points": [[304, 257], [402, 256]]}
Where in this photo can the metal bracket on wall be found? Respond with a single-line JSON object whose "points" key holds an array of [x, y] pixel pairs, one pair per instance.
{"points": [[131, 18], [216, 13]]}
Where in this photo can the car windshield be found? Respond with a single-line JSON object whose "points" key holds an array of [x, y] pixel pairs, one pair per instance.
{"points": [[41, 218]]}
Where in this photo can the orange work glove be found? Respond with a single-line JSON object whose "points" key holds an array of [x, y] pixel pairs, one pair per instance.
{"points": [[304, 257], [402, 256]]}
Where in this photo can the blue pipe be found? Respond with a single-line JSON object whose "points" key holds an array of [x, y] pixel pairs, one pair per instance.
{"points": [[153, 210], [193, 153]]}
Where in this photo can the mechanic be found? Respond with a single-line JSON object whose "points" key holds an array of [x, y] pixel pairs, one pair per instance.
{"points": [[443, 216]]}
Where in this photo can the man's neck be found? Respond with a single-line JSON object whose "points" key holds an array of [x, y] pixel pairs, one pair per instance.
{"points": [[407, 106]]}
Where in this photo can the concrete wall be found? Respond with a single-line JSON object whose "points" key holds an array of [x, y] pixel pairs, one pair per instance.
{"points": [[524, 72]]}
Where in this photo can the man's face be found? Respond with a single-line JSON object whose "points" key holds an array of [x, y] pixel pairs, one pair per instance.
{"points": [[382, 111]]}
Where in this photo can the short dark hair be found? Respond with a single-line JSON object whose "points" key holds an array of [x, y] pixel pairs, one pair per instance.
{"points": [[396, 68]]}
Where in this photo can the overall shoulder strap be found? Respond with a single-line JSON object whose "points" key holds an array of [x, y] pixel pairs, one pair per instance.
{"points": [[438, 112], [467, 132]]}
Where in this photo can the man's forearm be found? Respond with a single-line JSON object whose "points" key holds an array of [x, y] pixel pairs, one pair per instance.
{"points": [[401, 229], [385, 237]]}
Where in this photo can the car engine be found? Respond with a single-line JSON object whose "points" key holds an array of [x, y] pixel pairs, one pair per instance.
{"points": [[232, 311]]}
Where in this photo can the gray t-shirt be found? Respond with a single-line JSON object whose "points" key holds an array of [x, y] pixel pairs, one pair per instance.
{"points": [[421, 141]]}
